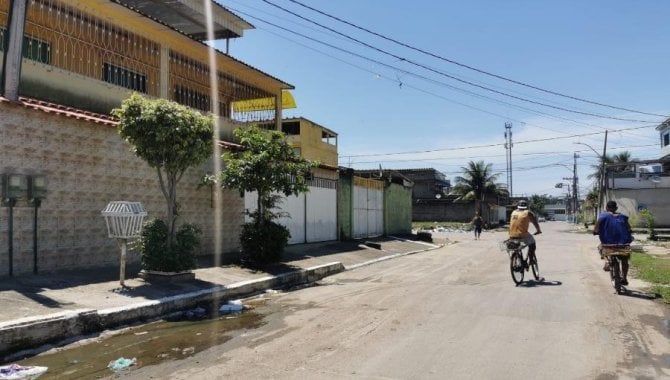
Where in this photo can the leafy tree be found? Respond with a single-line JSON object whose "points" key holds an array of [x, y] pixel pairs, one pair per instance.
{"points": [[267, 165], [537, 203], [170, 138], [476, 183], [591, 203]]}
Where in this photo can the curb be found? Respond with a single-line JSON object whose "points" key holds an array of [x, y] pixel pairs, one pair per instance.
{"points": [[31, 332]]}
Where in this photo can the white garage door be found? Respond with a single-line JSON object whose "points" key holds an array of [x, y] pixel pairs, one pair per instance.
{"points": [[312, 215]]}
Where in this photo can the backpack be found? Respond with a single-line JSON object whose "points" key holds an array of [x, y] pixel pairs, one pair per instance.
{"points": [[613, 229]]}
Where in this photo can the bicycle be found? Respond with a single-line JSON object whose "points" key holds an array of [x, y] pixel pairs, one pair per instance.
{"points": [[517, 263], [614, 254]]}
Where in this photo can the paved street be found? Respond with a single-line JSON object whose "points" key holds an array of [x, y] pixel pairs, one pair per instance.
{"points": [[451, 313]]}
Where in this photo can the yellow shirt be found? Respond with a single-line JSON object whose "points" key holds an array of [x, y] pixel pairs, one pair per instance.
{"points": [[518, 226]]}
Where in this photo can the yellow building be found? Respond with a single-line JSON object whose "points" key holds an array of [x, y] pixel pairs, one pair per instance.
{"points": [[66, 64], [312, 142]]}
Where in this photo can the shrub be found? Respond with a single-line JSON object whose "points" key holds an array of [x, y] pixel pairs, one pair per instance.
{"points": [[157, 256], [648, 220], [263, 243]]}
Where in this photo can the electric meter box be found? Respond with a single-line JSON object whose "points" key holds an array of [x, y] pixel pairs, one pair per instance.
{"points": [[14, 186]]}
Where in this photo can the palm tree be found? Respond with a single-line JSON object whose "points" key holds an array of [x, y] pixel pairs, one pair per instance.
{"points": [[619, 158], [477, 182], [622, 158]]}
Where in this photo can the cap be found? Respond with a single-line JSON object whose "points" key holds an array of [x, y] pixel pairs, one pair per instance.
{"points": [[611, 205], [522, 205]]}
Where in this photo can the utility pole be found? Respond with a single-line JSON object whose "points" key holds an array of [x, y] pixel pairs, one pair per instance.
{"points": [[11, 63], [575, 199], [603, 180], [508, 148]]}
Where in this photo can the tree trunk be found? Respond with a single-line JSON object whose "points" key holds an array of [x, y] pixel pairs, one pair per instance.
{"points": [[259, 205]]}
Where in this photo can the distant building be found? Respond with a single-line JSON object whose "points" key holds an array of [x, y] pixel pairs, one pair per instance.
{"points": [[428, 183]]}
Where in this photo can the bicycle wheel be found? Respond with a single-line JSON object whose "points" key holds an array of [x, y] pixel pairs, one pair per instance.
{"points": [[516, 267], [615, 274], [532, 261]]}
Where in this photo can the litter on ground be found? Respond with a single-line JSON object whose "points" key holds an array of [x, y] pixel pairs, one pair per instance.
{"points": [[231, 307], [19, 372], [121, 363]]}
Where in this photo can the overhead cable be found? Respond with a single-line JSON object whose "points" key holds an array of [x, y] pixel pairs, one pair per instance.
{"points": [[472, 67]]}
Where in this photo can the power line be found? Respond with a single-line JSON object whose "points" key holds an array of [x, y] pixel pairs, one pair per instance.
{"points": [[454, 77], [471, 67], [493, 145], [395, 80]]}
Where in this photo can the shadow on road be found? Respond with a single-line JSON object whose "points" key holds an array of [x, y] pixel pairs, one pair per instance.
{"points": [[540, 282], [642, 295]]}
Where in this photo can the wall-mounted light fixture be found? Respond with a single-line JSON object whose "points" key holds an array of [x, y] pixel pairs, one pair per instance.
{"points": [[14, 187], [37, 187]]}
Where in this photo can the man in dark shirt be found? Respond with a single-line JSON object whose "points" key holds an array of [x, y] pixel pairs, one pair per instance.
{"points": [[614, 231], [477, 222]]}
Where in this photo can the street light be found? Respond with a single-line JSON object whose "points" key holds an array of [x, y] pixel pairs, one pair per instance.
{"points": [[601, 184]]}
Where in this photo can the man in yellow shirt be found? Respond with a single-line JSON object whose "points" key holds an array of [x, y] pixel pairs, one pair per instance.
{"points": [[520, 219]]}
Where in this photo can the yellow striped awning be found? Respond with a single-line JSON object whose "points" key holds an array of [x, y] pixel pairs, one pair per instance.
{"points": [[264, 104]]}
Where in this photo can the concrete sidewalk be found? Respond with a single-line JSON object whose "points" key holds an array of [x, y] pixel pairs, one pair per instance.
{"points": [[46, 308]]}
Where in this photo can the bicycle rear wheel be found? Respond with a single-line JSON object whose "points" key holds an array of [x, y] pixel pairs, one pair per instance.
{"points": [[615, 274], [516, 267], [532, 261]]}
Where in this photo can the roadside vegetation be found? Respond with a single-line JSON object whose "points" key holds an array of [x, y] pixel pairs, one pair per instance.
{"points": [[436, 225], [655, 270]]}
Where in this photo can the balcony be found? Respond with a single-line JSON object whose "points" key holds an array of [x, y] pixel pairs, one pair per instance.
{"points": [[74, 58]]}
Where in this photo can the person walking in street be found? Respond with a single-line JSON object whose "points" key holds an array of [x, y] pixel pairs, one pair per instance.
{"points": [[520, 220], [477, 222], [614, 230]]}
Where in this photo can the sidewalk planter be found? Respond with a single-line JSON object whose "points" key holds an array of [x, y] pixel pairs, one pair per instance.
{"points": [[158, 277]]}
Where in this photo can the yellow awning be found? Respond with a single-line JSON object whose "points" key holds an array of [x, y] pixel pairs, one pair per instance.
{"points": [[264, 104]]}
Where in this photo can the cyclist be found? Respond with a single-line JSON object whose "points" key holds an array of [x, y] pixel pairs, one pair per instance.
{"points": [[521, 218], [613, 229]]}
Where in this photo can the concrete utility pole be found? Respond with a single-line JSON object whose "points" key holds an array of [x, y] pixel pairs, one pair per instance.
{"points": [[575, 196], [603, 174], [508, 148], [11, 64]]}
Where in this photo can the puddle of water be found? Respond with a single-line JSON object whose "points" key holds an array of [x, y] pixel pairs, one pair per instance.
{"points": [[149, 344]]}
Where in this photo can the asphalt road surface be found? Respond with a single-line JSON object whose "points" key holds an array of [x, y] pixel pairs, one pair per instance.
{"points": [[451, 313]]}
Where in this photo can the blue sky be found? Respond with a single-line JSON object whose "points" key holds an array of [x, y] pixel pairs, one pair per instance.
{"points": [[613, 52]]}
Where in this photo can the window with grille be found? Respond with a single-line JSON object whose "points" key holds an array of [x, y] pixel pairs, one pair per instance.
{"points": [[33, 49], [123, 77], [191, 98]]}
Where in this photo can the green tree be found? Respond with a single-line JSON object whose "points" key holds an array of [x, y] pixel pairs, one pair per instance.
{"points": [[591, 203], [170, 138], [537, 203], [267, 165], [477, 182]]}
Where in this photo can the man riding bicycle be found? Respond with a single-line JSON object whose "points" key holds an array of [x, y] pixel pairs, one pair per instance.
{"points": [[614, 230], [521, 218]]}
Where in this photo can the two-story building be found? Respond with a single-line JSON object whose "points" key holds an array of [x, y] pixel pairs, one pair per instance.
{"points": [[65, 65], [643, 184]]}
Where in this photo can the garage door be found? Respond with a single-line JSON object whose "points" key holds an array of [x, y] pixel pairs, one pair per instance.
{"points": [[368, 200]]}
